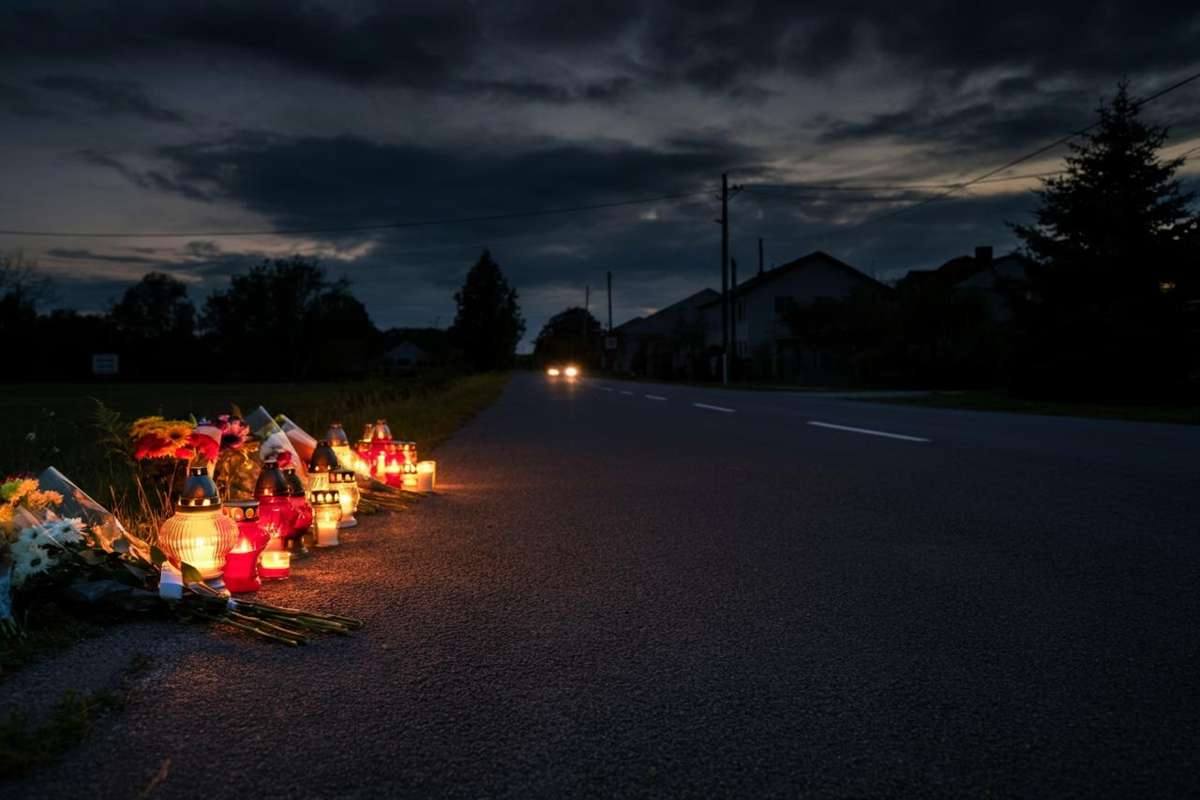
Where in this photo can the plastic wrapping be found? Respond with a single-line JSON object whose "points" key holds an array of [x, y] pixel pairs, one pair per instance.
{"points": [[274, 440], [102, 522]]}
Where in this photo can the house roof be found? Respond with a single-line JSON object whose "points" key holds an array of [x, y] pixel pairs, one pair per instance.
{"points": [[962, 269], [815, 258], [667, 316]]}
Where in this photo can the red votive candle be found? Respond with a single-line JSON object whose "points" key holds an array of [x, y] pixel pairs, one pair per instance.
{"points": [[275, 564]]}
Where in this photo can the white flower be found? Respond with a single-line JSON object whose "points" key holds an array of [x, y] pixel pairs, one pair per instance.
{"points": [[68, 530], [32, 554], [31, 436]]}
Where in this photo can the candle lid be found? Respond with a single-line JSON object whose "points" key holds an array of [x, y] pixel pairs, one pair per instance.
{"points": [[241, 510], [199, 492], [271, 481], [319, 497], [337, 435], [323, 458], [294, 484]]}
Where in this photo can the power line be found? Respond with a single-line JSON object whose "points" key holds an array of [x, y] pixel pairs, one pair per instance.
{"points": [[1008, 165], [352, 228]]}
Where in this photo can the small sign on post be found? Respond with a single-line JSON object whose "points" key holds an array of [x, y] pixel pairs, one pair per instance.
{"points": [[106, 364], [610, 343]]}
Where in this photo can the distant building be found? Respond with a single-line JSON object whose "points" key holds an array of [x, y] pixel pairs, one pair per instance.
{"points": [[999, 282], [764, 344], [405, 357], [669, 343]]}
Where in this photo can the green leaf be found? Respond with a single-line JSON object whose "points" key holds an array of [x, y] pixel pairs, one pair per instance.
{"points": [[157, 557], [190, 573]]}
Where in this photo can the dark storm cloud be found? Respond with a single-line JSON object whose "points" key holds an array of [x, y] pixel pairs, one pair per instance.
{"points": [[109, 97], [348, 180], [145, 179], [713, 46], [83, 254], [978, 126]]}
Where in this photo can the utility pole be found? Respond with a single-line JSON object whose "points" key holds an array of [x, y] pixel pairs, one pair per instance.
{"points": [[733, 316], [724, 222], [587, 298], [760, 256], [724, 278], [610, 301]]}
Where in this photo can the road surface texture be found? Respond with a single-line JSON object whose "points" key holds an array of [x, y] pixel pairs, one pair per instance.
{"points": [[632, 589]]}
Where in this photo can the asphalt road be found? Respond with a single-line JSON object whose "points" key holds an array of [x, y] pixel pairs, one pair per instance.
{"points": [[620, 595]]}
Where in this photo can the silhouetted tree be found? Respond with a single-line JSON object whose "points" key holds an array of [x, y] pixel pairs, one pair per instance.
{"points": [[1115, 244], [156, 306], [571, 335], [285, 319], [22, 289], [488, 324], [155, 320]]}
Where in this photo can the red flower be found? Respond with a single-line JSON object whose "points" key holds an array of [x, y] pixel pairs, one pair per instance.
{"points": [[204, 445], [153, 446], [283, 459]]}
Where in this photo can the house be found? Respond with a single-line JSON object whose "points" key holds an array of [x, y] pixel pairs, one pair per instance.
{"points": [[404, 358], [764, 346], [999, 282], [666, 344]]}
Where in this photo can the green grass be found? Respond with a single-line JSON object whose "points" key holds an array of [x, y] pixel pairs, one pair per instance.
{"points": [[24, 748], [990, 401], [51, 424]]}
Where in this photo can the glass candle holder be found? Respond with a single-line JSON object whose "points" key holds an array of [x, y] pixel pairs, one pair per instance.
{"points": [[304, 515], [426, 476], [327, 514], [346, 484], [275, 564], [198, 534], [241, 564]]}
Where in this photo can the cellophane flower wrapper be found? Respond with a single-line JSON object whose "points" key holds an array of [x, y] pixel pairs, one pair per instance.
{"points": [[301, 440], [274, 440], [103, 523]]}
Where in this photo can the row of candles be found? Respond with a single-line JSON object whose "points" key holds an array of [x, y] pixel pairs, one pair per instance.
{"points": [[246, 541]]}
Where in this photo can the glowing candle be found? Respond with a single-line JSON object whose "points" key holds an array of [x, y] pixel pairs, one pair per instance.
{"points": [[241, 565], [198, 533], [346, 484], [327, 513], [426, 476], [276, 564]]}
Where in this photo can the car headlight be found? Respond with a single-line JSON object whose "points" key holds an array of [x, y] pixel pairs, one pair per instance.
{"points": [[571, 372], [552, 372]]}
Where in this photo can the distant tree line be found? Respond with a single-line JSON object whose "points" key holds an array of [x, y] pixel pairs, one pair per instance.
{"points": [[284, 319]]}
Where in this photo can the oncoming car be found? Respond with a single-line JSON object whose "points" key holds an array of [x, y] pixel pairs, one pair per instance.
{"points": [[568, 371]]}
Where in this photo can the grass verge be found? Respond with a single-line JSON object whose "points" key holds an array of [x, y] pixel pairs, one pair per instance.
{"points": [[989, 401], [25, 748]]}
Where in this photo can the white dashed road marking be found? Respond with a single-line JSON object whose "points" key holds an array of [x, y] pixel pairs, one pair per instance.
{"points": [[713, 408], [654, 397], [869, 432], [623, 391], [606, 388]]}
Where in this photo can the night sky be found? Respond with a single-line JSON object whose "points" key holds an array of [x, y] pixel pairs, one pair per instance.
{"points": [[245, 115]]}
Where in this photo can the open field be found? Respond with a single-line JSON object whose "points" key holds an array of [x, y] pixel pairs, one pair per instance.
{"points": [[52, 423]]}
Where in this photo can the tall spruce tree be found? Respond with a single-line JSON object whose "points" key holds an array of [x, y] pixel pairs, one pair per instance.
{"points": [[488, 324], [1115, 247]]}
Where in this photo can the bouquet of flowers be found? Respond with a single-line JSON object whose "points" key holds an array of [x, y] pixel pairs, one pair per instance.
{"points": [[90, 558]]}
